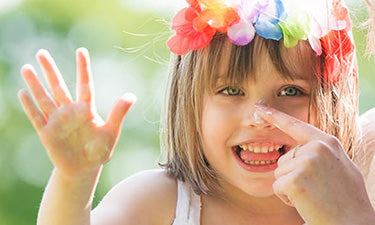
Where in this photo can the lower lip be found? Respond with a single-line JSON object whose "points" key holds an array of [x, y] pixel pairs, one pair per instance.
{"points": [[255, 168]]}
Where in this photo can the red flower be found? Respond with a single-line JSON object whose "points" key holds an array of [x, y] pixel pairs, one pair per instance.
{"points": [[190, 34], [196, 25], [339, 51], [194, 4]]}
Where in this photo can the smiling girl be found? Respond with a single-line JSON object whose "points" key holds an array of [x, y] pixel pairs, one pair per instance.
{"points": [[260, 125]]}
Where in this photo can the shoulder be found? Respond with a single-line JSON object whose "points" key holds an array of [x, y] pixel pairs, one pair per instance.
{"points": [[367, 126], [148, 197], [367, 156]]}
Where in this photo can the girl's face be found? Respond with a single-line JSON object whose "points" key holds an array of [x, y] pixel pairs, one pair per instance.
{"points": [[229, 124]]}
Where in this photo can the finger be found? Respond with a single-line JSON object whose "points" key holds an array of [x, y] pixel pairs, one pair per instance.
{"points": [[285, 165], [33, 113], [119, 111], [85, 88], [289, 154], [281, 187], [278, 189], [300, 131], [40, 94], [54, 79]]}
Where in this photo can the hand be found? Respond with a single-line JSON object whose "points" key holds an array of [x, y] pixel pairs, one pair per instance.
{"points": [[75, 137], [320, 181]]}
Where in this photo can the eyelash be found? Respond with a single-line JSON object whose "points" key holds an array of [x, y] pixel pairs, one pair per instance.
{"points": [[231, 88], [299, 92], [241, 93]]}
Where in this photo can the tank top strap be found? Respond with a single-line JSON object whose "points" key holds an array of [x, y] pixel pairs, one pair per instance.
{"points": [[188, 208]]}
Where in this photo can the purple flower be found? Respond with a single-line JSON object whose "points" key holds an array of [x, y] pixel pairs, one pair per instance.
{"points": [[243, 32], [261, 17]]}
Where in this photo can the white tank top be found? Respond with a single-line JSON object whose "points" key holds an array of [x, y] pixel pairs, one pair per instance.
{"points": [[188, 208]]}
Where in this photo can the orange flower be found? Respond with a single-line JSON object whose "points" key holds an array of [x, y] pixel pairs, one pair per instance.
{"points": [[218, 14]]}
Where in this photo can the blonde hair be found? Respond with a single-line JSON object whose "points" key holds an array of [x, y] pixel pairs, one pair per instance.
{"points": [[195, 73], [371, 26]]}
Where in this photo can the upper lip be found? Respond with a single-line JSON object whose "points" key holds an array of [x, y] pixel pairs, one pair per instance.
{"points": [[260, 142]]}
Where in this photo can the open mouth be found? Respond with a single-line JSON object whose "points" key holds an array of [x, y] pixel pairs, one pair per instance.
{"points": [[266, 157]]}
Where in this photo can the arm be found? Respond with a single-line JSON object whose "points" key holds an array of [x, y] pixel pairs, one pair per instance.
{"points": [[68, 201], [367, 126], [77, 140]]}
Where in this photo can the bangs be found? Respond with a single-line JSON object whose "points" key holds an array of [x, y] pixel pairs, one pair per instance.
{"points": [[234, 65]]}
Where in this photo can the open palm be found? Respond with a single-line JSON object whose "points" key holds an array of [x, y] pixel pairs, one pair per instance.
{"points": [[76, 138]]}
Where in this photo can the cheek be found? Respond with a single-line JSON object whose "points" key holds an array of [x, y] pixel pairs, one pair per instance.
{"points": [[218, 123]]}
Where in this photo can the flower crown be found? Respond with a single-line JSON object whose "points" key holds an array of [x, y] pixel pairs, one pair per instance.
{"points": [[325, 23]]}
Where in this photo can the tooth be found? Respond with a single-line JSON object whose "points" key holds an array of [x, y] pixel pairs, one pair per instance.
{"points": [[262, 162], [256, 149], [250, 148], [244, 147], [270, 149], [264, 149], [256, 162], [268, 162]]}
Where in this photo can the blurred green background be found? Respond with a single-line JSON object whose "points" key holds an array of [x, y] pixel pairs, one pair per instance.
{"points": [[126, 39]]}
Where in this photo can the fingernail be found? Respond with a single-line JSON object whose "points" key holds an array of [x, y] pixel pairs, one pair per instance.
{"points": [[260, 105], [83, 50], [42, 52], [27, 67], [263, 108], [129, 97], [257, 119], [22, 92]]}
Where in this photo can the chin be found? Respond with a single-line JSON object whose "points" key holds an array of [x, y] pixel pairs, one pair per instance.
{"points": [[260, 188]]}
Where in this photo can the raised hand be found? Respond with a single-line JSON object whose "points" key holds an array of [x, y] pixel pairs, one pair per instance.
{"points": [[76, 138], [319, 178]]}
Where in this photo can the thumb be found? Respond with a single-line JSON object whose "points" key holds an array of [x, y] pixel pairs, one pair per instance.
{"points": [[118, 112]]}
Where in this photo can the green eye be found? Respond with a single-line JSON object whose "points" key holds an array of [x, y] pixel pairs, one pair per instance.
{"points": [[231, 91], [290, 91]]}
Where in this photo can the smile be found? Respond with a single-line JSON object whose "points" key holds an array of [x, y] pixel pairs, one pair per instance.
{"points": [[259, 157]]}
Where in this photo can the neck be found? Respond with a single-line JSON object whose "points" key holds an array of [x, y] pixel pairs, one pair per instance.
{"points": [[246, 203]]}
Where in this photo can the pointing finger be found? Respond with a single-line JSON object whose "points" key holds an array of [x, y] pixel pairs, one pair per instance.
{"points": [[300, 131]]}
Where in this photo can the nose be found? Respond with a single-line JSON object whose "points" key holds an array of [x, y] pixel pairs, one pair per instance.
{"points": [[255, 121]]}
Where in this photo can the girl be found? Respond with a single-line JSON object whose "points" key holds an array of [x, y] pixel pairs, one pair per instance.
{"points": [[260, 126]]}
